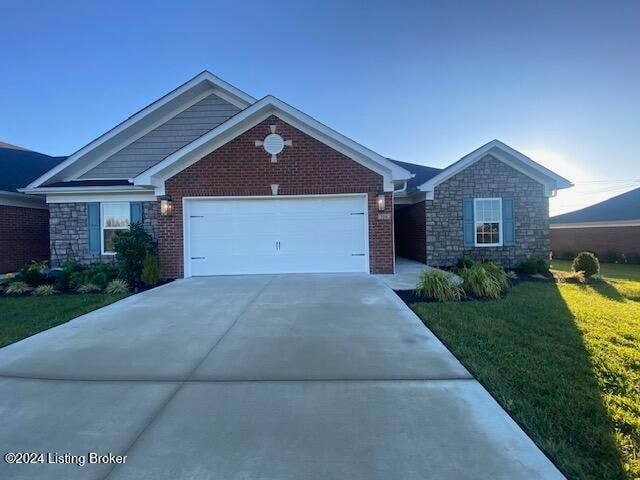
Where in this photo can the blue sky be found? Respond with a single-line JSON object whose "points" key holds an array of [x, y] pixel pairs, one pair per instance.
{"points": [[424, 82]]}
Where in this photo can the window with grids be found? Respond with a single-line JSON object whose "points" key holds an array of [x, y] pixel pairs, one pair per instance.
{"points": [[488, 221], [115, 217]]}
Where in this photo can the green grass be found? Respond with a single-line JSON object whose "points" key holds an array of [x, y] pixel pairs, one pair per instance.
{"points": [[610, 270], [21, 317], [564, 361]]}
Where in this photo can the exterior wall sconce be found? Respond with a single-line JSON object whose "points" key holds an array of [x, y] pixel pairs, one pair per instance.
{"points": [[381, 201], [166, 206]]}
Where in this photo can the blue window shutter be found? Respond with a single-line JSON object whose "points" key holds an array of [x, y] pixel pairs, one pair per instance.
{"points": [[508, 222], [93, 226], [136, 212], [467, 222]]}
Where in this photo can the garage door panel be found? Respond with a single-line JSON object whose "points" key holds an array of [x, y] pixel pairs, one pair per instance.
{"points": [[283, 235]]}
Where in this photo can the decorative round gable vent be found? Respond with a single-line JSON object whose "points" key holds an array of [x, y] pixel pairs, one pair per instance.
{"points": [[273, 144]]}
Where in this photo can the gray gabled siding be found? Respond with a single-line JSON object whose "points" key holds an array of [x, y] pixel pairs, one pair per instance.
{"points": [[150, 149]]}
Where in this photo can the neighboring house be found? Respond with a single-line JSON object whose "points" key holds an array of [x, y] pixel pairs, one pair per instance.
{"points": [[24, 219], [609, 227], [228, 184]]}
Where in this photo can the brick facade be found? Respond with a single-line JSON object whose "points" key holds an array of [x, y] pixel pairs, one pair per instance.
{"points": [[599, 240], [24, 236], [68, 232], [488, 177], [309, 167], [410, 228]]}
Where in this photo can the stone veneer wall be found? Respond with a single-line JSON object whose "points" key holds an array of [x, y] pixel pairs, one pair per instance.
{"points": [[488, 177], [68, 231]]}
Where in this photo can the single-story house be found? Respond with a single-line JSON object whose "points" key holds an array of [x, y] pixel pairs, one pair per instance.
{"points": [[228, 184], [24, 219], [607, 228]]}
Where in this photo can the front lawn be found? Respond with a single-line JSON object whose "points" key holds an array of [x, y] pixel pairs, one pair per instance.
{"points": [[564, 361], [21, 317]]}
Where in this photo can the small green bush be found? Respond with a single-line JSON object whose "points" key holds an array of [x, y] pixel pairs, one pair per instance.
{"points": [[150, 270], [439, 285], [534, 265], [32, 273], [481, 280], [18, 288], [464, 261], [69, 267], [586, 262], [88, 288], [116, 286], [44, 291], [99, 274], [131, 247]]}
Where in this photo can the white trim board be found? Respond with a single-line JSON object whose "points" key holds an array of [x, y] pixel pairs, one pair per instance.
{"points": [[550, 180], [13, 199], [251, 116], [204, 81], [102, 197], [611, 223]]}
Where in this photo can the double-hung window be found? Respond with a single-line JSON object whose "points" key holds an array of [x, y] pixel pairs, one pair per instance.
{"points": [[488, 222], [114, 217]]}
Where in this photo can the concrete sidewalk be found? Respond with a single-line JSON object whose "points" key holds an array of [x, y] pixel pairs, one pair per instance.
{"points": [[283, 377]]}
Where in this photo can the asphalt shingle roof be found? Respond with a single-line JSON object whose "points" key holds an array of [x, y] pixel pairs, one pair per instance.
{"points": [[19, 167], [422, 173], [621, 207]]}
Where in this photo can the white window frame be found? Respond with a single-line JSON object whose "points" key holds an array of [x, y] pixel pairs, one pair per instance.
{"points": [[103, 228], [476, 222]]}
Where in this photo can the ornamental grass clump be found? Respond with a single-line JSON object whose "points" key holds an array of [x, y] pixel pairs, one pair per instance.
{"points": [[117, 286], [439, 285], [484, 280], [44, 290], [18, 288]]}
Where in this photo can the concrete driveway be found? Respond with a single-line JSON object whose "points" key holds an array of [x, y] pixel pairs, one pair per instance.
{"points": [[270, 377]]}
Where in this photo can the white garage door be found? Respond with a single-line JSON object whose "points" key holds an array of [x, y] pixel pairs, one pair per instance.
{"points": [[276, 235]]}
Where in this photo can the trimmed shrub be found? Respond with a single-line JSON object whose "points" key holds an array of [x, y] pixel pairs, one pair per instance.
{"points": [[117, 286], [586, 262], [439, 285], [131, 247], [18, 288], [88, 288], [534, 265], [44, 291], [482, 280], [150, 270], [33, 274]]}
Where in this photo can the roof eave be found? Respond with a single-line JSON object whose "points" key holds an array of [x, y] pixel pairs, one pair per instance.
{"points": [[252, 115]]}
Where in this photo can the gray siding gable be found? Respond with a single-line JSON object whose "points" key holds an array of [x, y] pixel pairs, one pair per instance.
{"points": [[161, 142]]}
